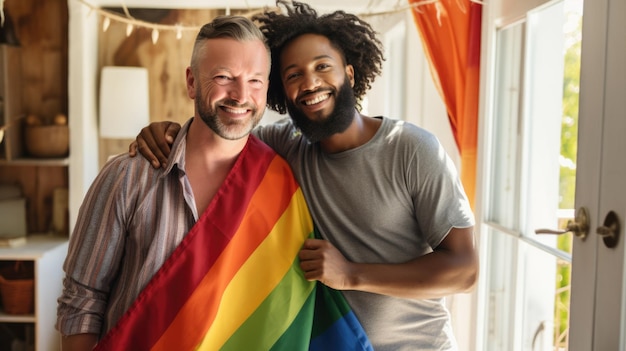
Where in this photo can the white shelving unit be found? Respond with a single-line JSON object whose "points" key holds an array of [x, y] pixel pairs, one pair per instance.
{"points": [[47, 254]]}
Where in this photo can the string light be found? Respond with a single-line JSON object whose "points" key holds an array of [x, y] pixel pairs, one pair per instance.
{"points": [[178, 28], [132, 23]]}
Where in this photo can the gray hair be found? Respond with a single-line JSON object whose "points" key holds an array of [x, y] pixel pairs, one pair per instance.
{"points": [[233, 27]]}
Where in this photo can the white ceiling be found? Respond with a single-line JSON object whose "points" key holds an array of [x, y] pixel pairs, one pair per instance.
{"points": [[353, 6]]}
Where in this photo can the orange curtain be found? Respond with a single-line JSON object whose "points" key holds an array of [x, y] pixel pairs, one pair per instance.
{"points": [[450, 32]]}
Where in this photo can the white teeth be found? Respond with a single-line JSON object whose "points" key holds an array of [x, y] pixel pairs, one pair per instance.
{"points": [[235, 110], [316, 100]]}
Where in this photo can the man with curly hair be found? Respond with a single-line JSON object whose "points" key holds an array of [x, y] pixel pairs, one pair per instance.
{"points": [[395, 223]]}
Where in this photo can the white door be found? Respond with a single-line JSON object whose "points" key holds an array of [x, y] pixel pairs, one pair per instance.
{"points": [[598, 305], [532, 175]]}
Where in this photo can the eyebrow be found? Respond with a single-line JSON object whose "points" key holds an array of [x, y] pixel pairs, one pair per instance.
{"points": [[226, 69], [319, 57]]}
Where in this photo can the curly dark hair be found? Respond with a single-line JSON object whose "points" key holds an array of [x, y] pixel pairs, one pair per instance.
{"points": [[351, 36]]}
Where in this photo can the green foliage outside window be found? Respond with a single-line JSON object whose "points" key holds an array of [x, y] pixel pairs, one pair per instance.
{"points": [[569, 143]]}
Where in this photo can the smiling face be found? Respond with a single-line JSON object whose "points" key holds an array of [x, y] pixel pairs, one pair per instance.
{"points": [[318, 86], [229, 85]]}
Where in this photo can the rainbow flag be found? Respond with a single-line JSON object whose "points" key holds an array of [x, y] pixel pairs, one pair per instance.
{"points": [[234, 282]]}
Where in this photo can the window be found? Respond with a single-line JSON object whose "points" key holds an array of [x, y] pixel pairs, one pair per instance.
{"points": [[531, 178]]}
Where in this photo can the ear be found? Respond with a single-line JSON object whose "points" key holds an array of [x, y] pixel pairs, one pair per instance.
{"points": [[191, 83], [350, 74]]}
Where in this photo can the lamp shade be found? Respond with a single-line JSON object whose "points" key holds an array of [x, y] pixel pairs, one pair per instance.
{"points": [[124, 101]]}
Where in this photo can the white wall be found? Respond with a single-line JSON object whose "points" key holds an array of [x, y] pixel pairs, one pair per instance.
{"points": [[82, 47]]}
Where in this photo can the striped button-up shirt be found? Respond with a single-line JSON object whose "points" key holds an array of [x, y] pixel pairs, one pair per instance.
{"points": [[131, 220]]}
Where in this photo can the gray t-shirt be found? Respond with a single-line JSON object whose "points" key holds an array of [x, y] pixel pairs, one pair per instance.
{"points": [[388, 201]]}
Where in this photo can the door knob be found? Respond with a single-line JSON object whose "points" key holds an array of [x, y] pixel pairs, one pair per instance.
{"points": [[610, 230], [579, 226]]}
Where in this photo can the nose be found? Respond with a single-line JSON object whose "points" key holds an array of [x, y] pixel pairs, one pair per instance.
{"points": [[239, 91], [310, 82]]}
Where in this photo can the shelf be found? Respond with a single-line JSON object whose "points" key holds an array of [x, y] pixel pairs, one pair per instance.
{"points": [[36, 246], [47, 252], [36, 162], [17, 318]]}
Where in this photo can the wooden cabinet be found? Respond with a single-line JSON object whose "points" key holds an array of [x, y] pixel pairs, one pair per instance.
{"points": [[36, 331], [34, 81]]}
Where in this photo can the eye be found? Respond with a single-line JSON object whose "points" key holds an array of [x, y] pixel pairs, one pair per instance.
{"points": [[257, 83], [222, 80], [323, 66], [292, 75]]}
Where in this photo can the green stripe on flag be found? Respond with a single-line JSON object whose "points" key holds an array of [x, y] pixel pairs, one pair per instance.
{"points": [[298, 336], [274, 316]]}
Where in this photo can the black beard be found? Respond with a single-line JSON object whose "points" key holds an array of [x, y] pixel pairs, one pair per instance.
{"points": [[336, 122]]}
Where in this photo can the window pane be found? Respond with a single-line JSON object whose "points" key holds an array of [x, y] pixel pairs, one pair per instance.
{"points": [[543, 105], [505, 157]]}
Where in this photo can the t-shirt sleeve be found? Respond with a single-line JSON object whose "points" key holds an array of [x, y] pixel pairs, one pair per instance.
{"points": [[439, 199]]}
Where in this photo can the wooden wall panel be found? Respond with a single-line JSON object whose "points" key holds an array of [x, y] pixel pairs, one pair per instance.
{"points": [[42, 28]]}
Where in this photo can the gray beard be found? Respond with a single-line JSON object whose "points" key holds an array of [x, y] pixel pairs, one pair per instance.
{"points": [[211, 119]]}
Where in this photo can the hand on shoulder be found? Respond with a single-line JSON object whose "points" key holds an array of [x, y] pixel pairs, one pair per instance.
{"points": [[154, 142]]}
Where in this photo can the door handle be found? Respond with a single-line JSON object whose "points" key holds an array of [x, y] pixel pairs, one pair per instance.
{"points": [[579, 226], [610, 230]]}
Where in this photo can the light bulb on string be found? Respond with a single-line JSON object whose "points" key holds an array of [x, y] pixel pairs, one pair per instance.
{"points": [[106, 22], [179, 32], [155, 36]]}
